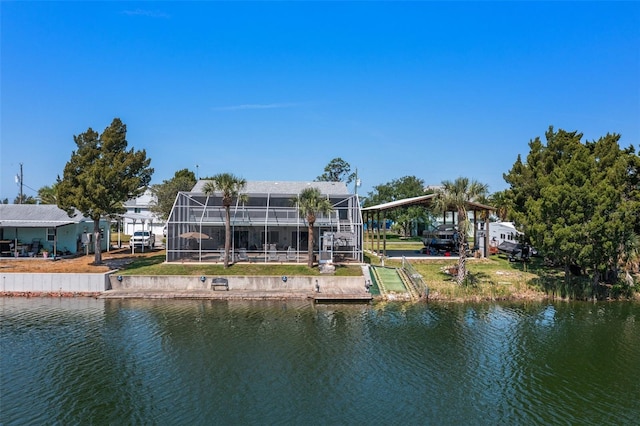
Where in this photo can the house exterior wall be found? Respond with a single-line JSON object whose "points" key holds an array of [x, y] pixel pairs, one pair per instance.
{"points": [[139, 216], [62, 239]]}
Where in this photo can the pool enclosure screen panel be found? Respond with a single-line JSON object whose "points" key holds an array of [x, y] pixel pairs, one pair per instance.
{"points": [[267, 227]]}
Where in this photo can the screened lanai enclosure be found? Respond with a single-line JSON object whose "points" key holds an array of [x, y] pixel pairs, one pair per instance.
{"points": [[267, 227]]}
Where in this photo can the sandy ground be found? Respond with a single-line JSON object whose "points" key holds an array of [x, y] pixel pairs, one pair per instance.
{"points": [[112, 260]]}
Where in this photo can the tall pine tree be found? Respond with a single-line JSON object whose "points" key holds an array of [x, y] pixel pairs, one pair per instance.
{"points": [[101, 175]]}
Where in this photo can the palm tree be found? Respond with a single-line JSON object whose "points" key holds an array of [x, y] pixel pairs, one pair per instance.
{"points": [[311, 202], [500, 200], [48, 194], [229, 186], [455, 196]]}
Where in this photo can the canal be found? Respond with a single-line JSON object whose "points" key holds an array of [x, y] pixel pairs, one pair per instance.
{"points": [[86, 361]]}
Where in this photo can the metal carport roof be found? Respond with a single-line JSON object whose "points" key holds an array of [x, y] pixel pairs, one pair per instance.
{"points": [[423, 200]]}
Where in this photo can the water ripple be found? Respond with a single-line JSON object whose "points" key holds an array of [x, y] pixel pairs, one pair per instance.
{"points": [[86, 361]]}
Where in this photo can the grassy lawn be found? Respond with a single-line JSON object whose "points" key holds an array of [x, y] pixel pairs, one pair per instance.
{"points": [[488, 278], [494, 278], [154, 265], [395, 242]]}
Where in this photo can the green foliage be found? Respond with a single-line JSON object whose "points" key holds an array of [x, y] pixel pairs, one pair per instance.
{"points": [[502, 202], [337, 170], [101, 175], [578, 203], [25, 199], [310, 203], [455, 195], [48, 194], [166, 192], [398, 189], [230, 187]]}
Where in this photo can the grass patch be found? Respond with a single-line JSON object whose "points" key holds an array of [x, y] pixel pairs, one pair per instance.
{"points": [[397, 245], [494, 278], [155, 265], [394, 242], [488, 279]]}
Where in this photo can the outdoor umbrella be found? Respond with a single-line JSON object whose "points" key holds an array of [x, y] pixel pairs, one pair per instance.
{"points": [[195, 235]]}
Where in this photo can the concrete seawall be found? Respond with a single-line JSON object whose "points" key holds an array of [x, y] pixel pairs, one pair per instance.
{"points": [[112, 285], [328, 284], [53, 283]]}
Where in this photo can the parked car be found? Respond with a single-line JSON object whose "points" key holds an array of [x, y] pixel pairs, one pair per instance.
{"points": [[143, 239]]}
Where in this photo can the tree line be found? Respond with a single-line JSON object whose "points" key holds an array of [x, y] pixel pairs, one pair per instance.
{"points": [[579, 204]]}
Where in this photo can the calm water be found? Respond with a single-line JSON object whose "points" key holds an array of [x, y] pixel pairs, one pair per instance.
{"points": [[86, 361]]}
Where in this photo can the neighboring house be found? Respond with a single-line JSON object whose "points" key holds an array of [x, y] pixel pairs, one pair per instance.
{"points": [[139, 216], [268, 227], [27, 229]]}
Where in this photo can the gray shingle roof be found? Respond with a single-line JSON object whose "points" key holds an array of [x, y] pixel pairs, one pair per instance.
{"points": [[35, 216], [285, 187]]}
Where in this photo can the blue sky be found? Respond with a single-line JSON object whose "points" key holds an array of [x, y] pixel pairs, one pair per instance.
{"points": [[275, 90]]}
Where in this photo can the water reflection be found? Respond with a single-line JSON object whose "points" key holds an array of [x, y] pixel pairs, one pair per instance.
{"points": [[86, 361]]}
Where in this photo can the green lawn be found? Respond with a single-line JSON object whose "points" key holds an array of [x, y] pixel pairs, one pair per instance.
{"points": [[488, 279], [154, 265]]}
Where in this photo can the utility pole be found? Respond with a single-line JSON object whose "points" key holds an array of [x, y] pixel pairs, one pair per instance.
{"points": [[357, 183], [19, 181]]}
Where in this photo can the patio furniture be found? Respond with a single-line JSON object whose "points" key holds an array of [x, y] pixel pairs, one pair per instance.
{"points": [[291, 255], [35, 246], [273, 255], [220, 282], [242, 255], [221, 255]]}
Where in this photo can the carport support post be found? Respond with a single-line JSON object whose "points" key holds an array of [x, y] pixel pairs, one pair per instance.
{"points": [[372, 233], [475, 229], [384, 234], [143, 221], [131, 239], [486, 237], [378, 232]]}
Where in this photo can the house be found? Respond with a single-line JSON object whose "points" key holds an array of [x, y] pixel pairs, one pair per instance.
{"points": [[268, 227], [139, 216], [29, 229]]}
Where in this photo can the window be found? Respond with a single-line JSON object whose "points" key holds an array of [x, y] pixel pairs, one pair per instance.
{"points": [[51, 234], [136, 210]]}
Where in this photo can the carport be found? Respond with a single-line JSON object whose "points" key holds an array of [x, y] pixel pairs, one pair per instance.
{"points": [[378, 213]]}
